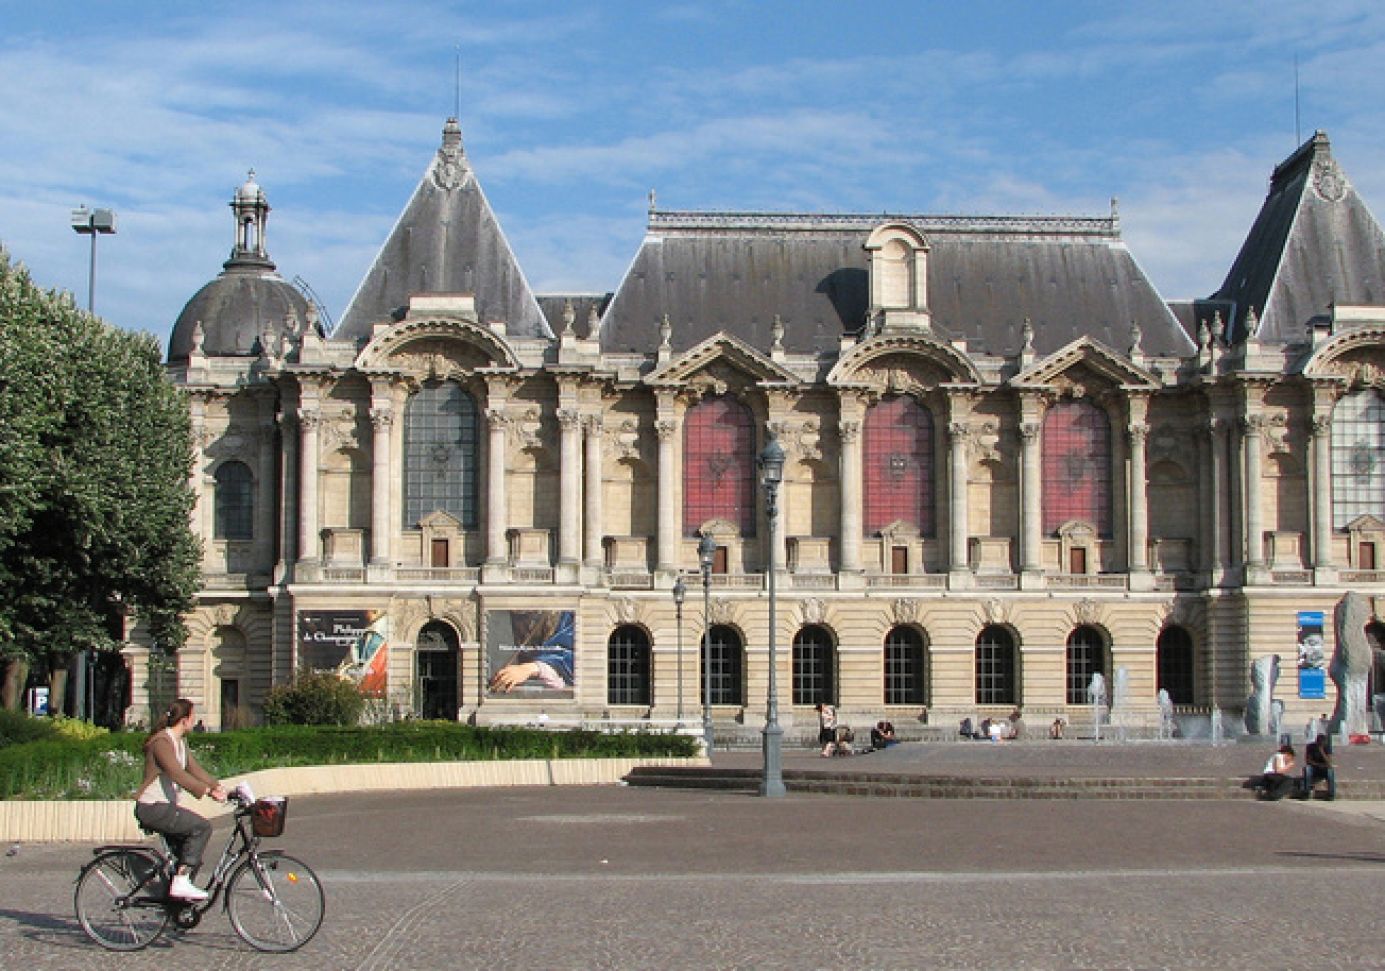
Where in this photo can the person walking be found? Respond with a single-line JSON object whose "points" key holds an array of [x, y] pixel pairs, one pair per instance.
{"points": [[170, 769]]}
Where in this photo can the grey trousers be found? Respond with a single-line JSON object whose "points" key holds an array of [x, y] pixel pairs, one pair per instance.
{"points": [[187, 831]]}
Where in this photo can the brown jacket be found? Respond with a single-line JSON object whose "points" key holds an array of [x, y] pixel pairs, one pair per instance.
{"points": [[161, 758]]}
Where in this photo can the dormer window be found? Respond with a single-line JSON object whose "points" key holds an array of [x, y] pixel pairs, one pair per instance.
{"points": [[898, 277]]}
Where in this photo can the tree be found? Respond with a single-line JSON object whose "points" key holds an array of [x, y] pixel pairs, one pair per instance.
{"points": [[95, 450]]}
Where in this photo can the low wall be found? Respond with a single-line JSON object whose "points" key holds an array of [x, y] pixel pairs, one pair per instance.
{"points": [[87, 821]]}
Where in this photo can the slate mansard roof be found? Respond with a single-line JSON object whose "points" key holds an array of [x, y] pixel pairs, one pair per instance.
{"points": [[1314, 244], [986, 275]]}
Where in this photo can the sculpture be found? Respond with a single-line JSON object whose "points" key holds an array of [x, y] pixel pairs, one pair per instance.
{"points": [[1264, 675], [1351, 665]]}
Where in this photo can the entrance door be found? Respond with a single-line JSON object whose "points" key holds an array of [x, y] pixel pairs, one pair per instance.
{"points": [[435, 674]]}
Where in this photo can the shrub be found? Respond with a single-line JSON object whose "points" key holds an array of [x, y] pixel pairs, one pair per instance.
{"points": [[314, 698]]}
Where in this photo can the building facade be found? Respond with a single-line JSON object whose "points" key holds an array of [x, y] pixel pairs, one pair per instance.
{"points": [[1010, 465]]}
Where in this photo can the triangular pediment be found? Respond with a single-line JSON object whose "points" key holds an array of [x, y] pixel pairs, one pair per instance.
{"points": [[1089, 356], [724, 350], [1366, 524], [440, 520]]}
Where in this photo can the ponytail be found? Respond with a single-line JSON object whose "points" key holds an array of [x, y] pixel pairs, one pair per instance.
{"points": [[175, 713]]}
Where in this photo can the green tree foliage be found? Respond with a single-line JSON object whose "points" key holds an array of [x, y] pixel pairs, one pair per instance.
{"points": [[314, 698], [95, 450]]}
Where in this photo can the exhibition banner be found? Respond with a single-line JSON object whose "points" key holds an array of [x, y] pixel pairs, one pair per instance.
{"points": [[530, 653], [354, 643]]}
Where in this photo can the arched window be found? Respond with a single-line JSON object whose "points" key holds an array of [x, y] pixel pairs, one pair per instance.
{"points": [[813, 667], [718, 465], [1077, 466], [627, 666], [441, 454], [727, 665], [235, 502], [898, 448], [997, 669], [906, 670], [1358, 457], [1086, 657], [1176, 672]]}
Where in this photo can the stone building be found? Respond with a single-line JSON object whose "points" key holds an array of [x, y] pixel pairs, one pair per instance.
{"points": [[1010, 465]]}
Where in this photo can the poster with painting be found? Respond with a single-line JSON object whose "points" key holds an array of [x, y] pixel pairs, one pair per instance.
{"points": [[530, 653], [354, 643]]}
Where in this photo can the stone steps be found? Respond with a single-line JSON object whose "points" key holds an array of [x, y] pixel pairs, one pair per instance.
{"points": [[920, 786]]}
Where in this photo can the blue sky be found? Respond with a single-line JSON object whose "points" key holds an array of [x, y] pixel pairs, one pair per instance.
{"points": [[572, 112]]}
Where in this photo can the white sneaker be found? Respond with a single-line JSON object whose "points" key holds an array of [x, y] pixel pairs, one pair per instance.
{"points": [[182, 888]]}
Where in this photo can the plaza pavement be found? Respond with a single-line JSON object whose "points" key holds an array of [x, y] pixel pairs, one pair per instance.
{"points": [[621, 877]]}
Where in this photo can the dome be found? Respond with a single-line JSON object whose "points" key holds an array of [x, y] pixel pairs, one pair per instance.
{"points": [[234, 310], [247, 300]]}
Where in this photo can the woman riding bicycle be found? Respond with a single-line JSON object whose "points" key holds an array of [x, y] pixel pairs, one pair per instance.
{"points": [[169, 768]]}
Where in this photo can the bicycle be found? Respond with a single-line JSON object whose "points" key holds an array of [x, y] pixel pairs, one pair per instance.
{"points": [[274, 901]]}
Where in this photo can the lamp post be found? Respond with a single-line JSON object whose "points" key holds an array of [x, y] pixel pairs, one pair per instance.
{"points": [[706, 550], [680, 591], [771, 474], [93, 223]]}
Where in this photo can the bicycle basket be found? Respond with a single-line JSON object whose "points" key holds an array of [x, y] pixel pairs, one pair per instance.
{"points": [[267, 815]]}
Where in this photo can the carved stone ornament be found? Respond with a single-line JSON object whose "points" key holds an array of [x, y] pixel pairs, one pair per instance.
{"points": [[996, 611], [623, 439], [1328, 181], [1087, 612], [805, 439], [813, 610], [224, 615], [721, 611], [905, 611], [625, 610]]}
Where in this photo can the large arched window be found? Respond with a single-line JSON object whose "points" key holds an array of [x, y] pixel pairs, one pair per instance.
{"points": [[727, 665], [1077, 466], [627, 666], [814, 664], [235, 502], [1358, 457], [1086, 656], [906, 669], [1176, 670], [898, 448], [441, 454], [718, 465], [997, 668]]}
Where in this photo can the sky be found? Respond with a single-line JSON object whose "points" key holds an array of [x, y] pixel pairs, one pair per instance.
{"points": [[573, 112]]}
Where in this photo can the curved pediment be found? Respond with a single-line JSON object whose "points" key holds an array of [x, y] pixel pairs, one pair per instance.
{"points": [[1356, 356], [1084, 361], [437, 346], [928, 361], [724, 351]]}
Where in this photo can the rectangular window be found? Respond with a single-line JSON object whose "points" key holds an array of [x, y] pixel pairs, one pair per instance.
{"points": [[1077, 560], [720, 560], [440, 557], [1365, 556], [1076, 467]]}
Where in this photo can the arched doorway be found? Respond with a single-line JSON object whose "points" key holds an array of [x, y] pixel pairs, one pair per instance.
{"points": [[437, 692]]}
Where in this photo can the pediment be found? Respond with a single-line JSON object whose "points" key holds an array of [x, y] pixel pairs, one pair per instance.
{"points": [[1366, 524], [436, 347], [440, 520], [1083, 357], [874, 360], [1356, 355], [727, 351]]}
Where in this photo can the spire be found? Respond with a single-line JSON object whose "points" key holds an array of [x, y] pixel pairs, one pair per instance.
{"points": [[251, 210]]}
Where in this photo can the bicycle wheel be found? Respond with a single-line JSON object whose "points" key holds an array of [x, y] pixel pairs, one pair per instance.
{"points": [[275, 902], [119, 900]]}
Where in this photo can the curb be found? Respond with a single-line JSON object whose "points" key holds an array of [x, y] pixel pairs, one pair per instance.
{"points": [[57, 821]]}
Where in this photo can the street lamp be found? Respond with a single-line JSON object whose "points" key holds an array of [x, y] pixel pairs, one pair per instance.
{"points": [[771, 474], [93, 223], [680, 591], [706, 550]]}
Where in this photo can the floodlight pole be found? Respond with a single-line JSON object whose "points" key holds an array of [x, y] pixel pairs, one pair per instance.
{"points": [[93, 223]]}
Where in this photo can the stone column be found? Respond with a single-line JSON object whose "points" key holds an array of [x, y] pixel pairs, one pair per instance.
{"points": [[197, 409], [1138, 533], [958, 527], [1322, 490], [666, 543], [1253, 428], [570, 492], [1031, 488], [593, 514], [266, 485], [496, 510], [381, 522], [849, 429], [309, 542], [288, 487]]}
